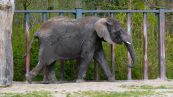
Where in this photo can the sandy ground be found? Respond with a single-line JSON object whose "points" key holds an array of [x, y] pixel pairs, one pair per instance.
{"points": [[61, 89]]}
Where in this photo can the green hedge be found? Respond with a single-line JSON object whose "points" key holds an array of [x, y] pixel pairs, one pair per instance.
{"points": [[19, 47], [120, 50]]}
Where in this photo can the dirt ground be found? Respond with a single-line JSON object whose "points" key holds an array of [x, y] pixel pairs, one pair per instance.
{"points": [[61, 89]]}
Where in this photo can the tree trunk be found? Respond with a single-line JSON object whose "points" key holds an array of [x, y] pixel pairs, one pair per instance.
{"points": [[6, 54]]}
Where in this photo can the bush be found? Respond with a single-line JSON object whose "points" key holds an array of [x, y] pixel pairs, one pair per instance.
{"points": [[19, 48]]}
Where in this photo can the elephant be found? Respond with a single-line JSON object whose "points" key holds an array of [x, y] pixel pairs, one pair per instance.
{"points": [[65, 38]]}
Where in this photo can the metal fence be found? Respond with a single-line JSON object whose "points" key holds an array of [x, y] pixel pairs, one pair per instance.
{"points": [[78, 13]]}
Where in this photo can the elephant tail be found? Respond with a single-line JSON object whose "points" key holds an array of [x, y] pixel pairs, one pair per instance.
{"points": [[30, 45]]}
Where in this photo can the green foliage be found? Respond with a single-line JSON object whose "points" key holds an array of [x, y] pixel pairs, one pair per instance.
{"points": [[111, 94], [146, 87], [32, 94], [19, 47]]}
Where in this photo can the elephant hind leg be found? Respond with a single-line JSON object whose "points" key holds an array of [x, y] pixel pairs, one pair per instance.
{"points": [[49, 74], [34, 72], [84, 63]]}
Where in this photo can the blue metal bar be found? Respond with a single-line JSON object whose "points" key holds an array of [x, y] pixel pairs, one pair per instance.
{"points": [[95, 14], [92, 11], [41, 11], [124, 11], [167, 10], [112, 15], [44, 16], [79, 12], [61, 14]]}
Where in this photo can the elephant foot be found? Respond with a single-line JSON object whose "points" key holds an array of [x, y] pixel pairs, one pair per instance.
{"points": [[45, 82], [80, 80], [111, 79], [28, 78], [48, 82], [61, 81]]}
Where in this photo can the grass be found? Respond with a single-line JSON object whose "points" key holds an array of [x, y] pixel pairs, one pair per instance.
{"points": [[30, 94], [4, 86], [112, 94], [146, 87], [133, 91]]}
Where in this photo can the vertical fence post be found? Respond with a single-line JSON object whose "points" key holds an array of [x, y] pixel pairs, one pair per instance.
{"points": [[44, 16], [78, 8], [161, 40], [145, 47], [78, 12], [113, 54], [62, 62], [78, 15], [27, 64], [96, 65], [95, 14], [62, 69], [61, 14], [129, 32]]}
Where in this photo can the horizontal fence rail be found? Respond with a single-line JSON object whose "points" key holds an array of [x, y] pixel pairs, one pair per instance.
{"points": [[47, 11], [92, 11], [78, 13]]}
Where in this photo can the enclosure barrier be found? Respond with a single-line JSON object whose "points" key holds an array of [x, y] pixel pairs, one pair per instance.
{"points": [[78, 13]]}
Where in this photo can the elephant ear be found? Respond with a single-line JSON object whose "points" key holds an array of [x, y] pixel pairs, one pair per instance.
{"points": [[102, 31]]}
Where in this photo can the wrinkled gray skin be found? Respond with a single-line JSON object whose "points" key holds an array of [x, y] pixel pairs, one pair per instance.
{"points": [[65, 38]]}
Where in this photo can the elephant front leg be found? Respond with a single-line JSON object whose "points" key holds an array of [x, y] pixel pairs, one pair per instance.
{"points": [[100, 58], [49, 74], [84, 63]]}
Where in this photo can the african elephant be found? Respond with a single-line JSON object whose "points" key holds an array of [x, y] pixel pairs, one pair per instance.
{"points": [[65, 38]]}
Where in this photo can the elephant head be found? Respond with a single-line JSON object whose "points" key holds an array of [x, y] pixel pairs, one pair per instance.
{"points": [[110, 30]]}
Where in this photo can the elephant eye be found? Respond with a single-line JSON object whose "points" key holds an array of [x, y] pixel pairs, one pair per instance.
{"points": [[119, 31], [117, 37]]}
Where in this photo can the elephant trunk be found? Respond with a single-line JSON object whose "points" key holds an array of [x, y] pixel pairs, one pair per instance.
{"points": [[132, 54]]}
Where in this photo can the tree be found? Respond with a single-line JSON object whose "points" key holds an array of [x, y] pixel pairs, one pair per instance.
{"points": [[6, 54]]}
